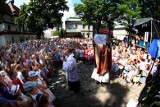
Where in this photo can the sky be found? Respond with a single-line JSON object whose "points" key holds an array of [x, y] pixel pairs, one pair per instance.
{"points": [[67, 14]]}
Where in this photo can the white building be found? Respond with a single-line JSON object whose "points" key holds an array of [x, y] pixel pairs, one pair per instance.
{"points": [[75, 28], [119, 31], [8, 31]]}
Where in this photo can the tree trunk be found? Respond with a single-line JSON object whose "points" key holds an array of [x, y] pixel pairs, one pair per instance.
{"points": [[109, 28], [129, 36], [88, 30], [98, 27], [39, 33], [62, 32]]}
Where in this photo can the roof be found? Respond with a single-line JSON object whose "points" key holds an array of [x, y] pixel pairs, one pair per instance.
{"points": [[142, 21], [73, 19], [76, 18], [118, 25], [11, 9]]}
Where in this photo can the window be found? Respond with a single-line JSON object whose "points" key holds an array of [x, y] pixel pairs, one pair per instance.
{"points": [[74, 26], [69, 26], [9, 27], [83, 34]]}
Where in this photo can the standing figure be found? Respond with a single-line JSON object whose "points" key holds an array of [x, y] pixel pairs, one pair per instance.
{"points": [[70, 66], [103, 58]]}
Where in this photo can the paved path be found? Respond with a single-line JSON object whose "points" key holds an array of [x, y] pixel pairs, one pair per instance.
{"points": [[115, 94]]}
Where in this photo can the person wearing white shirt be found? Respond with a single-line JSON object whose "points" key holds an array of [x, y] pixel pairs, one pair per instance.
{"points": [[70, 66]]}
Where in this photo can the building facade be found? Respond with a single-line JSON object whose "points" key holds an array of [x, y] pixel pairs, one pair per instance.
{"points": [[74, 28], [9, 33], [119, 31]]}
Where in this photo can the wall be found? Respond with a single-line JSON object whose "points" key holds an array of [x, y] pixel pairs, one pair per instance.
{"points": [[85, 31], [8, 18], [12, 38], [76, 26], [119, 33], [9, 38], [1, 27], [73, 26], [2, 40], [12, 27]]}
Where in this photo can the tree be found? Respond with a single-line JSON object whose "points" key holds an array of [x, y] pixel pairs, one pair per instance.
{"points": [[2, 4], [39, 14], [2, 9], [97, 12], [130, 10], [150, 8]]}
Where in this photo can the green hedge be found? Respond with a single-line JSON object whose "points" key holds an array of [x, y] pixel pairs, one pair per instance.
{"points": [[56, 33]]}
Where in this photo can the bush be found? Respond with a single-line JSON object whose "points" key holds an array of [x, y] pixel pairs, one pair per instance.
{"points": [[22, 38], [56, 33]]}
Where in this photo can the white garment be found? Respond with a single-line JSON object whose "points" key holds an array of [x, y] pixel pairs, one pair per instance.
{"points": [[7, 80], [51, 96], [100, 78], [20, 76], [70, 66], [142, 65], [34, 98]]}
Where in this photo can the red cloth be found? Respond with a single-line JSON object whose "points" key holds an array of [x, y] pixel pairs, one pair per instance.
{"points": [[86, 53], [141, 57], [105, 61], [18, 82]]}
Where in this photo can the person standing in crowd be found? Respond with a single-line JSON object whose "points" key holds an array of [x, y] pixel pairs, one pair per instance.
{"points": [[70, 66], [125, 40], [103, 57], [86, 54]]}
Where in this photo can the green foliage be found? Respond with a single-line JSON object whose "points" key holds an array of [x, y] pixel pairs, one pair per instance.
{"points": [[22, 38], [39, 14], [130, 10], [56, 33], [97, 11], [2, 4], [22, 18], [150, 8]]}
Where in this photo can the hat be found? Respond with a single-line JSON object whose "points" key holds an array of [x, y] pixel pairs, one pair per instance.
{"points": [[47, 57], [29, 85], [2, 73], [33, 73], [14, 89]]}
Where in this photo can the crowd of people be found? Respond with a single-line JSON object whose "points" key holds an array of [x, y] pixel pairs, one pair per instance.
{"points": [[133, 64], [26, 68]]}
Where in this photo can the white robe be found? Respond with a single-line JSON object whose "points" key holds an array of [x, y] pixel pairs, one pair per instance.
{"points": [[70, 66], [100, 78]]}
